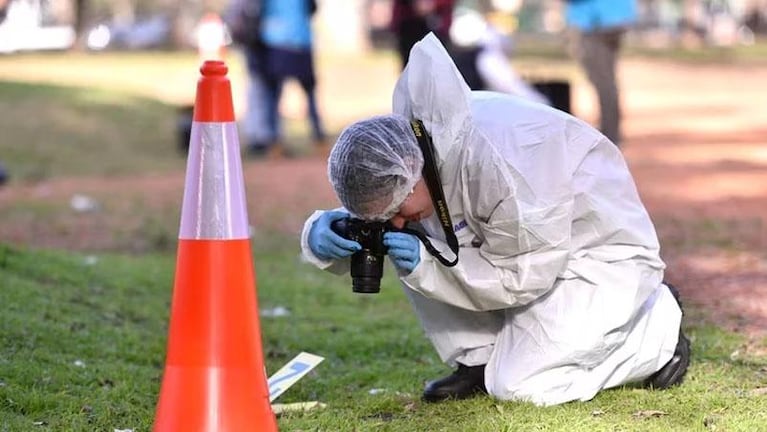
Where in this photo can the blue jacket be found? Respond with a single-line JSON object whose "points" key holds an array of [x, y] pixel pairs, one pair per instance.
{"points": [[287, 23], [590, 15]]}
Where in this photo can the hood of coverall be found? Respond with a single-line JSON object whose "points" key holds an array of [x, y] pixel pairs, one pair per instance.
{"points": [[431, 89]]}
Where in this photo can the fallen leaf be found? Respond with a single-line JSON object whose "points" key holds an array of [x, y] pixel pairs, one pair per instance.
{"points": [[649, 413], [597, 413], [710, 422], [296, 406]]}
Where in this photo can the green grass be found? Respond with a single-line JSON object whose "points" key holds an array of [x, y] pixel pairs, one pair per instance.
{"points": [[53, 131], [82, 345]]}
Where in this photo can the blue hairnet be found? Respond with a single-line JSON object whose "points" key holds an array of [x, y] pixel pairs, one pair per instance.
{"points": [[374, 165]]}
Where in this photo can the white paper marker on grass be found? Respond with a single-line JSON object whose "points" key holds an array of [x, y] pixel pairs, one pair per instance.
{"points": [[293, 371]]}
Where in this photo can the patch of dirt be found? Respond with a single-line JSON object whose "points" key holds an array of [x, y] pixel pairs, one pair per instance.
{"points": [[137, 213], [696, 142], [697, 147]]}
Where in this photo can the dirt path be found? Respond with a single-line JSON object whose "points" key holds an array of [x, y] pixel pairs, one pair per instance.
{"points": [[696, 142], [698, 150]]}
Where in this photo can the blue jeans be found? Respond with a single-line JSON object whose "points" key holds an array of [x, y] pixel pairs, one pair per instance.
{"points": [[257, 128], [282, 64]]}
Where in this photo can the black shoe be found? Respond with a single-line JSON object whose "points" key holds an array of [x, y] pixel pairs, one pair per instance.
{"points": [[673, 372], [465, 382]]}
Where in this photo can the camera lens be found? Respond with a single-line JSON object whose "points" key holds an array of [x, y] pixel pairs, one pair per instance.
{"points": [[366, 285], [366, 264], [366, 272]]}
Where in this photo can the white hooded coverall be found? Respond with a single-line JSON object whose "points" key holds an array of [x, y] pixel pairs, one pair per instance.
{"points": [[558, 288]]}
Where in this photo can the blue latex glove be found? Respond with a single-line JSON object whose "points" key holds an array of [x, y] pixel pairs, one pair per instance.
{"points": [[404, 250], [325, 243]]}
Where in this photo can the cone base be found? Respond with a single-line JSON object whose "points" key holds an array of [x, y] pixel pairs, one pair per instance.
{"points": [[214, 379], [213, 400]]}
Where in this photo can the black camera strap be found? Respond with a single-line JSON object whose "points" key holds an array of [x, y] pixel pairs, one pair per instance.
{"points": [[431, 175]]}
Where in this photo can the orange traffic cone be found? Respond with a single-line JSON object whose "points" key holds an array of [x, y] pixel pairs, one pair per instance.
{"points": [[214, 379]]}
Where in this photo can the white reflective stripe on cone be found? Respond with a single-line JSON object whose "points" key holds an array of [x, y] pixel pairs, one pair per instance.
{"points": [[214, 204]]}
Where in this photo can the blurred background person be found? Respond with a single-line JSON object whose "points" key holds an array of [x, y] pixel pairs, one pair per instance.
{"points": [[598, 27], [3, 174], [287, 37], [481, 52], [3, 14], [3, 10], [244, 20], [411, 20]]}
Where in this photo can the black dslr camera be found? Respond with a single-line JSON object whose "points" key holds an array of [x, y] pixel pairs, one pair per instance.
{"points": [[367, 263]]}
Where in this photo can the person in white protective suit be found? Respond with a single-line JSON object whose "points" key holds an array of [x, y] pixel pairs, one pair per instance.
{"points": [[558, 290]]}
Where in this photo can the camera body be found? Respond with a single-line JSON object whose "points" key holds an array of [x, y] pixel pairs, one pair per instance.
{"points": [[367, 263]]}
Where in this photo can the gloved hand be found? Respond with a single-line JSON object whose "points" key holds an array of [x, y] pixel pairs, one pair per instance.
{"points": [[325, 243], [404, 250]]}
